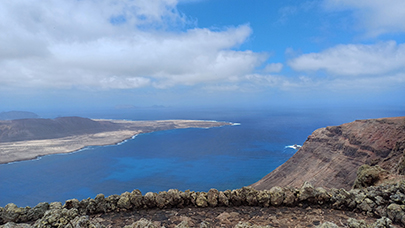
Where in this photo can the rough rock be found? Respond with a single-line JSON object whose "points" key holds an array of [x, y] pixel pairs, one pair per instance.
{"points": [[201, 200], [368, 176], [223, 199], [12, 213], [354, 223], [386, 200], [212, 196], [124, 202], [142, 223], [328, 225], [136, 198], [307, 192], [150, 200], [248, 225], [15, 225], [396, 212], [276, 196]]}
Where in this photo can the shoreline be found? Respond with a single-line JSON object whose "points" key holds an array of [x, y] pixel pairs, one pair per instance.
{"points": [[85, 147], [11, 152]]}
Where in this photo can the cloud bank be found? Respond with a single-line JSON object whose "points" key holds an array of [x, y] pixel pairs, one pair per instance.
{"points": [[375, 16], [115, 44], [354, 59], [110, 44]]}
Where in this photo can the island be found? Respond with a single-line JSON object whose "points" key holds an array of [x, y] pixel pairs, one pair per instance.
{"points": [[26, 139]]}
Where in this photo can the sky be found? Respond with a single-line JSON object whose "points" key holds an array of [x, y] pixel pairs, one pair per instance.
{"points": [[110, 53]]}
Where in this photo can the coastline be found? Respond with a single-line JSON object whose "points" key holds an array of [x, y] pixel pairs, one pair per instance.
{"points": [[11, 152]]}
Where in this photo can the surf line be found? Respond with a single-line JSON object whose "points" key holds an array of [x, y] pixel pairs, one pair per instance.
{"points": [[295, 146]]}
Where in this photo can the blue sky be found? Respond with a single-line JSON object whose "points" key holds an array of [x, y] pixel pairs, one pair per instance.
{"points": [[73, 54]]}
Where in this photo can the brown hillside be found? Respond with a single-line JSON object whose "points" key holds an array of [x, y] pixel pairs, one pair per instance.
{"points": [[331, 156], [34, 129]]}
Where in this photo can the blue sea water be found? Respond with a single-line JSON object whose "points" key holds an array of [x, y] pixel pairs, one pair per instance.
{"points": [[226, 157]]}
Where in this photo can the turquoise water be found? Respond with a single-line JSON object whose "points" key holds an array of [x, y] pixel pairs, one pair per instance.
{"points": [[197, 159]]}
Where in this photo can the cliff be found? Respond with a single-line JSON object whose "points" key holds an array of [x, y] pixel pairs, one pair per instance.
{"points": [[331, 156]]}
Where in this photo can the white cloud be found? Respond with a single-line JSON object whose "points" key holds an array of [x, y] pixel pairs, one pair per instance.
{"points": [[221, 88], [124, 83], [376, 16], [352, 59], [273, 67], [114, 44]]}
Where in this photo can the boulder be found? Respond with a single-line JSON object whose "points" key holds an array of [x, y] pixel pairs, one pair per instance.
{"points": [[290, 196], [101, 203], [276, 196], [183, 224], [341, 198], [327, 225], [354, 223], [142, 223], [321, 196], [395, 212], [212, 197], [124, 201], [185, 198], [175, 198], [72, 203], [136, 199], [223, 200], [201, 200], [111, 202], [91, 207], [250, 194], [149, 200], [161, 200], [236, 197], [249, 225], [383, 222], [55, 205], [15, 225], [38, 211], [306, 192], [205, 224], [263, 198], [83, 222], [367, 205], [12, 213], [57, 218], [368, 176]]}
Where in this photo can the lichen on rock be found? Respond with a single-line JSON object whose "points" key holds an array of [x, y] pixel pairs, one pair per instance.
{"points": [[368, 176]]}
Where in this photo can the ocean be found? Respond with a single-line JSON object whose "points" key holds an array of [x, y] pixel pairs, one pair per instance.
{"points": [[227, 157]]}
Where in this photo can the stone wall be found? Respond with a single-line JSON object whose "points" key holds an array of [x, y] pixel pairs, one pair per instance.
{"points": [[380, 201]]}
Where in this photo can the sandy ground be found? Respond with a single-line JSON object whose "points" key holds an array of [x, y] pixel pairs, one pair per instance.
{"points": [[25, 150], [31, 149]]}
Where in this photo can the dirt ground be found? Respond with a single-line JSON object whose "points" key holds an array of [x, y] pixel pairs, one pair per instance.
{"points": [[230, 216]]}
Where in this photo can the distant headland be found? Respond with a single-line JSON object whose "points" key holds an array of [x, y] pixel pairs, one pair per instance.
{"points": [[25, 139], [12, 115]]}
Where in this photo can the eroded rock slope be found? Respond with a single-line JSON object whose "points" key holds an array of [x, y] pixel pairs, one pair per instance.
{"points": [[331, 156]]}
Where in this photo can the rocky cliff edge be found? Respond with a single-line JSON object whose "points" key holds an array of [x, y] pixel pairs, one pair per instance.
{"points": [[331, 156]]}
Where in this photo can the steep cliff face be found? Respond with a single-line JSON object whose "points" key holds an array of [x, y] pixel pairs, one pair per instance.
{"points": [[331, 156]]}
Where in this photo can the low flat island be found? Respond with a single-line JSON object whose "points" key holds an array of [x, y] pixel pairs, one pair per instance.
{"points": [[28, 139]]}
